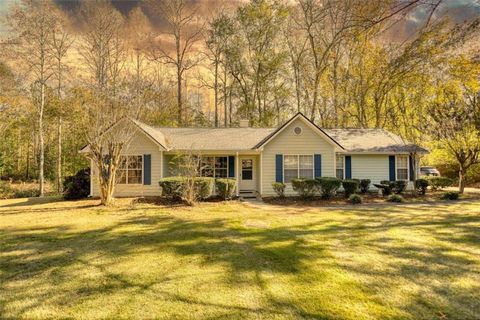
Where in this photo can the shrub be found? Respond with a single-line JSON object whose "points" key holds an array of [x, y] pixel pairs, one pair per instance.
{"points": [[395, 198], [204, 187], [439, 182], [350, 187], [226, 188], [328, 186], [421, 185], [364, 185], [172, 187], [355, 199], [399, 186], [386, 187], [279, 188], [451, 195], [306, 188], [77, 186]]}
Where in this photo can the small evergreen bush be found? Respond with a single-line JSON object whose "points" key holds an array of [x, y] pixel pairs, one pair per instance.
{"points": [[306, 188], [226, 188], [204, 187], [364, 185], [328, 186], [355, 199], [439, 182], [451, 195], [74, 187], [172, 187], [421, 186], [386, 187], [395, 198], [350, 187], [279, 188], [399, 186]]}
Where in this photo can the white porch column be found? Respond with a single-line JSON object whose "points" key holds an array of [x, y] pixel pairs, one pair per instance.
{"points": [[91, 179], [261, 175], [161, 164], [236, 173]]}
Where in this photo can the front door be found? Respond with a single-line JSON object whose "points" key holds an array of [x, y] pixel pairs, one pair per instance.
{"points": [[247, 174]]}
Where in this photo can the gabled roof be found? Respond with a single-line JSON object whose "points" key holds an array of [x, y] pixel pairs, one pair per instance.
{"points": [[241, 139], [301, 116], [372, 141]]}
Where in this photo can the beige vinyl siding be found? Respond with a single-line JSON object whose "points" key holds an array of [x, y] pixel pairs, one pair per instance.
{"points": [[140, 145], [308, 142], [373, 167]]}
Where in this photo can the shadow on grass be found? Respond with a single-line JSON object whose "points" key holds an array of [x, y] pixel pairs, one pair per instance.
{"points": [[282, 250]]}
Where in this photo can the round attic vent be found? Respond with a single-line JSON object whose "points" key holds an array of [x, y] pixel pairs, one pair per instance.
{"points": [[297, 130]]}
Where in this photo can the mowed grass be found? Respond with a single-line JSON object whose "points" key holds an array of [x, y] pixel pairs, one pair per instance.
{"points": [[232, 260]]}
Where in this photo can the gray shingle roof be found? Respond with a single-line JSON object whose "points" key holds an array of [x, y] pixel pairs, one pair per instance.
{"points": [[353, 140], [372, 140]]}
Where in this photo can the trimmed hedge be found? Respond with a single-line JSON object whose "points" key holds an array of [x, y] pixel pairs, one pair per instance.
{"points": [[77, 186], [306, 188], [350, 187], [279, 188], [328, 186], [174, 187], [439, 182], [399, 186], [386, 187], [355, 199], [226, 188], [451, 195], [365, 185], [421, 185], [395, 198]]}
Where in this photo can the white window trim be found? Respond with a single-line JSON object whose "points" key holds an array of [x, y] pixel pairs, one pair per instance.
{"points": [[228, 166], [126, 177], [396, 167], [343, 169], [298, 165]]}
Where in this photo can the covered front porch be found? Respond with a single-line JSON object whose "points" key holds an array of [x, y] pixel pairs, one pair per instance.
{"points": [[244, 167]]}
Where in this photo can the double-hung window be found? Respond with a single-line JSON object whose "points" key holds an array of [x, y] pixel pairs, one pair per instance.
{"points": [[130, 170], [297, 166], [340, 168], [214, 167], [402, 167]]}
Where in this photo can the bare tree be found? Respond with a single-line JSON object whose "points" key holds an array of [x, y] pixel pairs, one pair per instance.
{"points": [[33, 22], [185, 31], [60, 45]]}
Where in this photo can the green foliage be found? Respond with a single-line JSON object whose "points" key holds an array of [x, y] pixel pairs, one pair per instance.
{"points": [[279, 188], [18, 190], [421, 186], [451, 195], [328, 186], [77, 186], [386, 187], [175, 187], [399, 186], [226, 188], [364, 185], [439, 182], [306, 188], [395, 198], [350, 187], [355, 199]]}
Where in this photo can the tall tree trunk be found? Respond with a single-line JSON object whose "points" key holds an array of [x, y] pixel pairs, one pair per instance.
{"points": [[461, 179], [225, 98], [41, 178], [215, 88], [59, 155]]}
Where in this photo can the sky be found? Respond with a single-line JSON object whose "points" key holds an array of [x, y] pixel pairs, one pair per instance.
{"points": [[457, 10]]}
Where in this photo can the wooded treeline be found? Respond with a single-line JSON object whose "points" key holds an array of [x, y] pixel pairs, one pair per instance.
{"points": [[333, 60]]}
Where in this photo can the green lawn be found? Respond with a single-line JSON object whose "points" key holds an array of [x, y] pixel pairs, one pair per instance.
{"points": [[79, 260]]}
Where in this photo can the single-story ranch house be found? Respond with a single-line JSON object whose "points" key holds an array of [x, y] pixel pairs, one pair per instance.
{"points": [[257, 157]]}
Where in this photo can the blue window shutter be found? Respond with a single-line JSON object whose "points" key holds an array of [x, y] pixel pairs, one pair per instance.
{"points": [[410, 167], [391, 167], [231, 166], [147, 169], [348, 167], [318, 165], [279, 168]]}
